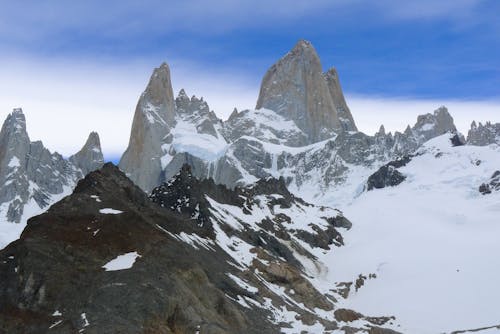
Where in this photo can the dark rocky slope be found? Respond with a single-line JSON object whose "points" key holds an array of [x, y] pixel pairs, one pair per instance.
{"points": [[210, 259], [56, 268]]}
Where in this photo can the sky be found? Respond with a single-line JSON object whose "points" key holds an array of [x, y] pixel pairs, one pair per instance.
{"points": [[80, 66]]}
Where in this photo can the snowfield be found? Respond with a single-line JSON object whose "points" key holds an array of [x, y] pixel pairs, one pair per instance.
{"points": [[432, 242]]}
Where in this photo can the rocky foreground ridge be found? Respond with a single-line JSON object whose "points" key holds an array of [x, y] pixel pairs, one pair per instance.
{"points": [[204, 259]]}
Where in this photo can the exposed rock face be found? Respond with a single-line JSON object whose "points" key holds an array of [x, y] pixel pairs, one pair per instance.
{"points": [[483, 135], [205, 258], [161, 133], [31, 175], [296, 89], [90, 157], [388, 175], [428, 126], [432, 125], [154, 117], [343, 112], [492, 185], [298, 105]]}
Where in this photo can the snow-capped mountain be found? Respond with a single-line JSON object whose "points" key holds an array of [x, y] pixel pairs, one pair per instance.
{"points": [[231, 227], [302, 130], [32, 177]]}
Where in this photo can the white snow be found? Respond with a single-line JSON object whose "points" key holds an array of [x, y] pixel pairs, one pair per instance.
{"points": [[55, 324], [121, 262], [432, 241], [97, 199], [14, 162], [109, 211], [243, 284], [84, 319], [10, 231], [427, 126], [201, 145]]}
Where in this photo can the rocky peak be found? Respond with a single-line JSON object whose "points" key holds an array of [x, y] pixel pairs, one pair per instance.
{"points": [[154, 117], [234, 114], [14, 140], [158, 98], [482, 135], [16, 121], [32, 175], [381, 131], [296, 88], [344, 114], [432, 125], [184, 104], [90, 157], [408, 131]]}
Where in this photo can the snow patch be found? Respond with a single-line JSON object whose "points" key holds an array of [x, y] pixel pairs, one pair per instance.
{"points": [[14, 162], [121, 262], [109, 211]]}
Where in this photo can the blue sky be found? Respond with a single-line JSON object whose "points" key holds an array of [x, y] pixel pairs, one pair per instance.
{"points": [[81, 58]]}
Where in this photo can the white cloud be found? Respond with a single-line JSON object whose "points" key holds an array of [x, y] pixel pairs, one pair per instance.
{"points": [[63, 101]]}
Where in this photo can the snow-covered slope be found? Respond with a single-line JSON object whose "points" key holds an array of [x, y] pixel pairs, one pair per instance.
{"points": [[431, 241]]}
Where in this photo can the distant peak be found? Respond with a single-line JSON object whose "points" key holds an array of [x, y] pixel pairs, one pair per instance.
{"points": [[182, 93], [441, 110], [93, 140], [17, 111], [15, 122], [381, 130], [90, 157]]}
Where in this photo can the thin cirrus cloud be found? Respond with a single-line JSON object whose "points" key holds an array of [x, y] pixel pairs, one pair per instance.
{"points": [[66, 101]]}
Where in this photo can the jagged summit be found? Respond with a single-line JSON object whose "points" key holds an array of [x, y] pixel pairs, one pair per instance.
{"points": [[90, 157], [484, 134], [154, 117], [159, 95], [296, 88], [32, 177]]}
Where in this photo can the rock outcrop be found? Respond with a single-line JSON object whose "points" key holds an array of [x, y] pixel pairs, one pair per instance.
{"points": [[388, 175], [296, 89], [482, 135], [492, 185], [31, 176]]}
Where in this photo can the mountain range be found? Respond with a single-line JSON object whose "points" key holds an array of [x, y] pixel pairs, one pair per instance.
{"points": [[225, 226]]}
